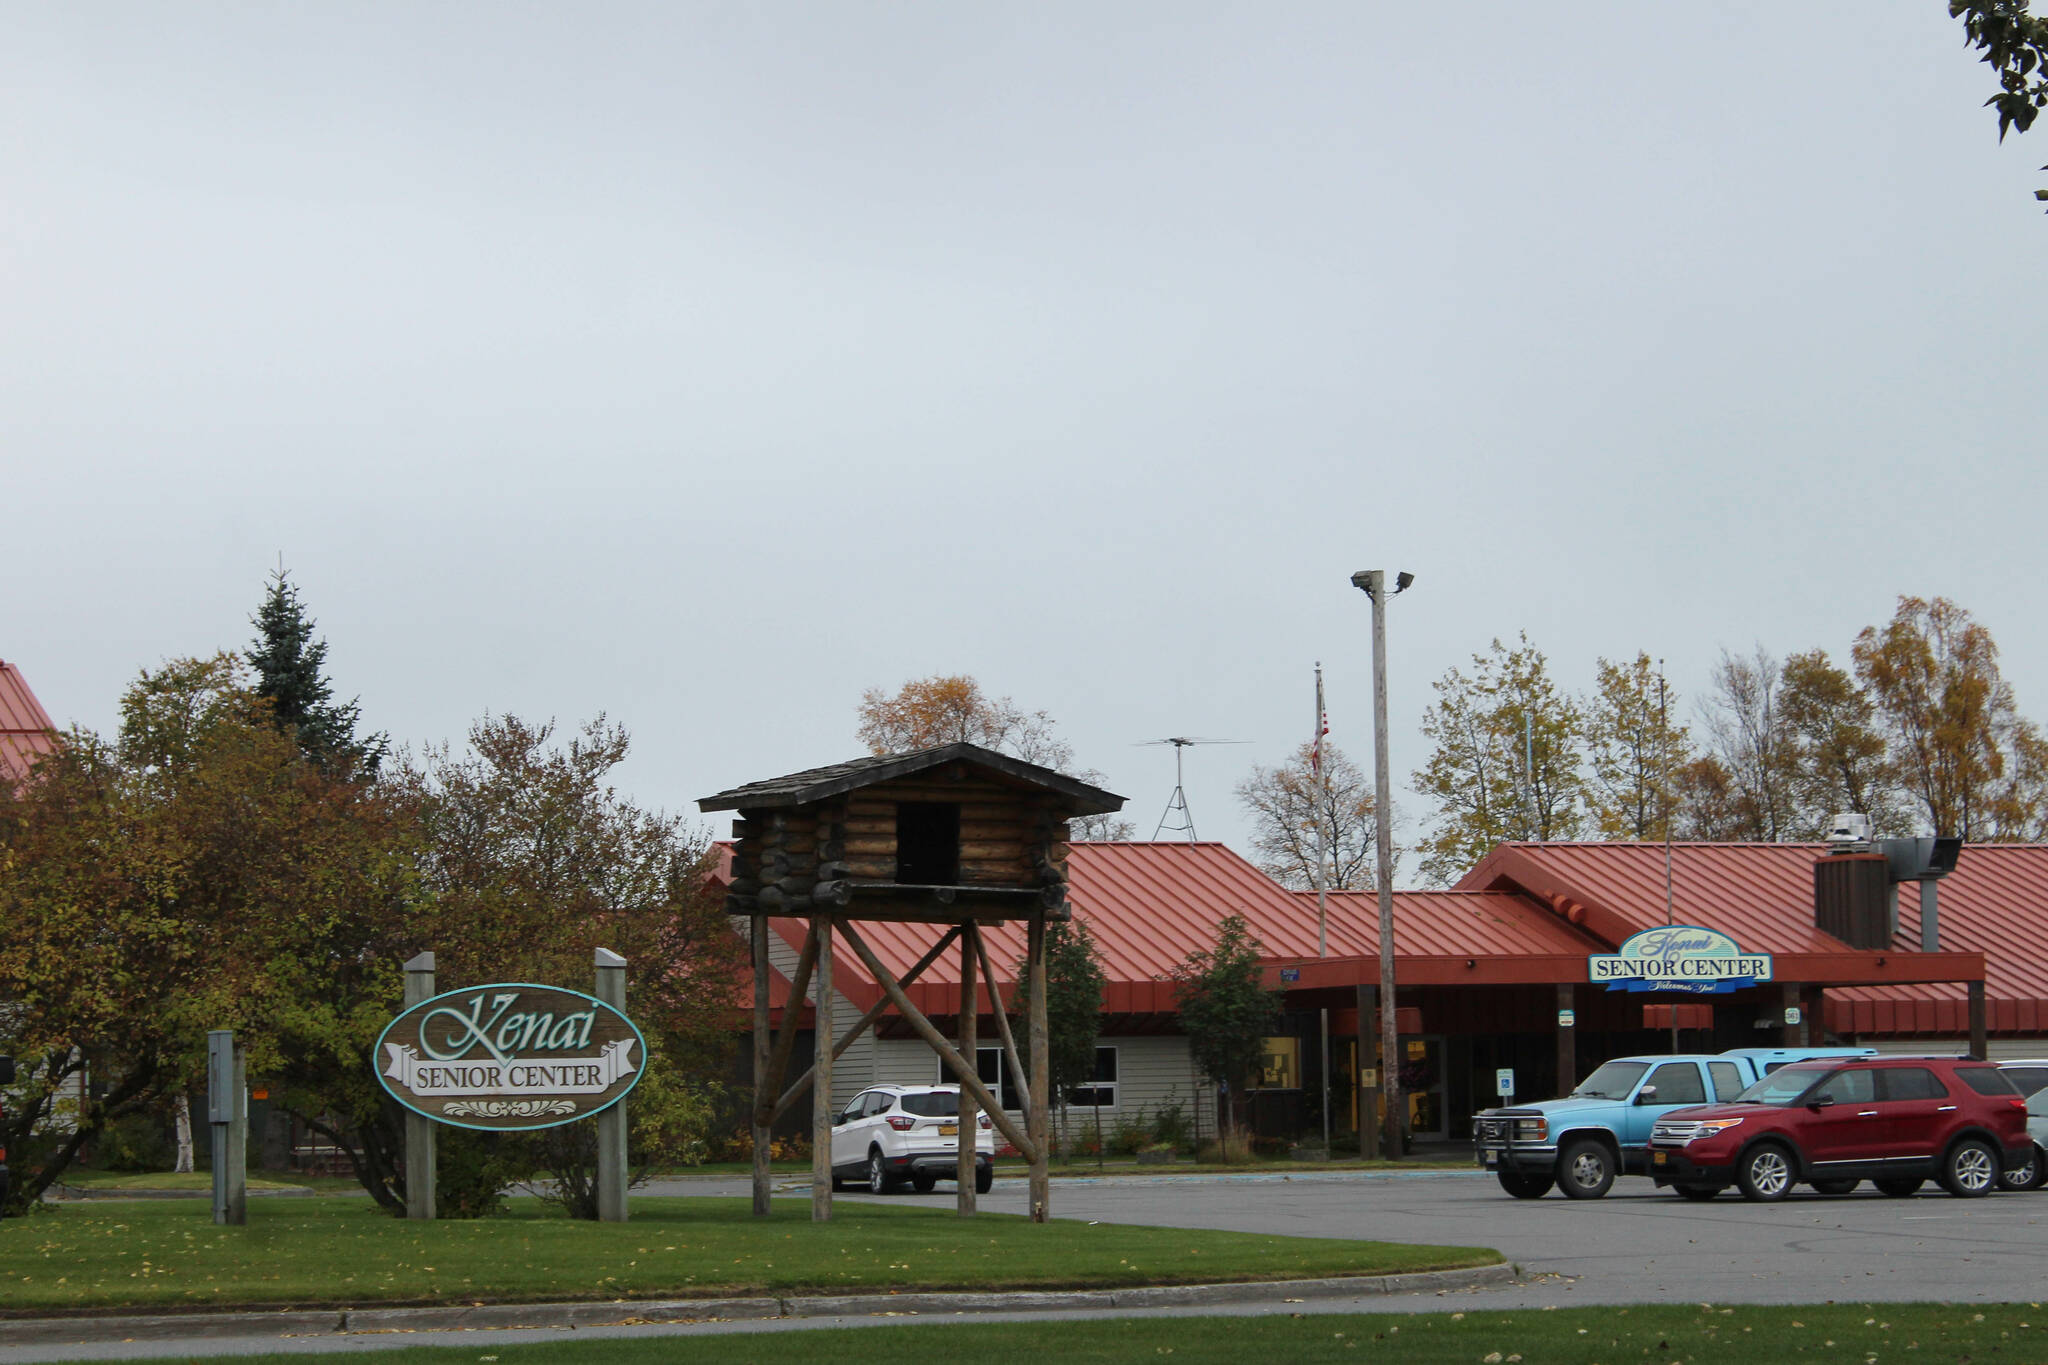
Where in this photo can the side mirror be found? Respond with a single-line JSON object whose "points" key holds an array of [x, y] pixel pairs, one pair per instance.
{"points": [[1647, 1095], [1821, 1101]]}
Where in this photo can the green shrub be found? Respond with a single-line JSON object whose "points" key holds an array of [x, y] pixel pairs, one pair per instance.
{"points": [[135, 1142], [1129, 1133], [1170, 1124]]}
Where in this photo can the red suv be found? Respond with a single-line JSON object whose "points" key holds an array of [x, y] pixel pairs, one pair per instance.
{"points": [[1892, 1120]]}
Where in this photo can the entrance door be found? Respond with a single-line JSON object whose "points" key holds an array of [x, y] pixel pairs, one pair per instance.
{"points": [[1422, 1084]]}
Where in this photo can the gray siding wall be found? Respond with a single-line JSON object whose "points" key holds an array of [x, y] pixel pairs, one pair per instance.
{"points": [[1151, 1070], [854, 1070]]}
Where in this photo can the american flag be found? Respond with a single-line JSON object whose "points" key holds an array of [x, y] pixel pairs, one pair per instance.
{"points": [[1315, 758]]}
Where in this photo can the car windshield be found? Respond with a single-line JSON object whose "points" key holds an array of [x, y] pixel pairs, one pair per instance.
{"points": [[931, 1104], [1783, 1086], [1613, 1081]]}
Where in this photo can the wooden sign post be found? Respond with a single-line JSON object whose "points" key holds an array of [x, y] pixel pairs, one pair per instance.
{"points": [[422, 1180]]}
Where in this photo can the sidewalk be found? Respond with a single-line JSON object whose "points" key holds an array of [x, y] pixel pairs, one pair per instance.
{"points": [[337, 1322]]}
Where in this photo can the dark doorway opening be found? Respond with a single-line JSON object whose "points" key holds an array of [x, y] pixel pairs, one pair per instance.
{"points": [[928, 843]]}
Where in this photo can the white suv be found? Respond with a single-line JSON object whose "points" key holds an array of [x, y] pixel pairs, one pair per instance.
{"points": [[889, 1132]]}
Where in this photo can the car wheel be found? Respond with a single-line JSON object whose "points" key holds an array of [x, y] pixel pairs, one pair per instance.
{"points": [[984, 1179], [1899, 1186], [1970, 1170], [1525, 1186], [879, 1179], [1836, 1187], [1585, 1169], [922, 1182], [2027, 1175], [1765, 1173], [1699, 1194]]}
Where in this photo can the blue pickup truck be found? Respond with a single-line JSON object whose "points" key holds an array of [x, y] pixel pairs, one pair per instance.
{"points": [[1602, 1129]]}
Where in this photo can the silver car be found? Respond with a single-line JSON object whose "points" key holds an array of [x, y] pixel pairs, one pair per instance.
{"points": [[2031, 1078]]}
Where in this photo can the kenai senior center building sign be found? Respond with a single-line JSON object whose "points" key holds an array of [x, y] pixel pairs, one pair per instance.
{"points": [[510, 1055], [1679, 957]]}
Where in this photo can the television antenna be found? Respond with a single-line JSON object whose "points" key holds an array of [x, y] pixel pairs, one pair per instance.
{"points": [[1178, 802]]}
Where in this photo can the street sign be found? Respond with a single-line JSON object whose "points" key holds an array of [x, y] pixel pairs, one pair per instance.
{"points": [[1792, 1015], [1504, 1082], [1566, 1018], [1369, 1077]]}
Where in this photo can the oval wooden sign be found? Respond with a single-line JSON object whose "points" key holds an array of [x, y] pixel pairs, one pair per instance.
{"points": [[510, 1055]]}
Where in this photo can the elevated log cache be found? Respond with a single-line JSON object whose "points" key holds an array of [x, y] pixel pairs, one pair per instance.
{"points": [[947, 837]]}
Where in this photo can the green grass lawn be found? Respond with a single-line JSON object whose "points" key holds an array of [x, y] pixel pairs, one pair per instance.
{"points": [[1577, 1336], [332, 1251]]}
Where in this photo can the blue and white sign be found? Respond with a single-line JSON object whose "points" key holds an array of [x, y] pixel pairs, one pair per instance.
{"points": [[1679, 957]]}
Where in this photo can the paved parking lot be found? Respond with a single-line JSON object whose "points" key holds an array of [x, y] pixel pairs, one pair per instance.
{"points": [[1637, 1244]]}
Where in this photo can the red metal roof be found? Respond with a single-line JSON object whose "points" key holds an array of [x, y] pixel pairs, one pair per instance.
{"points": [[1994, 903], [25, 730], [1150, 904]]}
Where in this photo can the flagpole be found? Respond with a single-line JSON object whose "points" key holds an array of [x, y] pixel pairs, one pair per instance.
{"points": [[1318, 799]]}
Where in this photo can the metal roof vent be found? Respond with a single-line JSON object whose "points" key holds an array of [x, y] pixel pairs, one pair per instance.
{"points": [[1849, 832], [1925, 861]]}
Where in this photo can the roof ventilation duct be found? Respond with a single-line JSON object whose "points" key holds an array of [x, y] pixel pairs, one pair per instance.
{"points": [[1926, 861]]}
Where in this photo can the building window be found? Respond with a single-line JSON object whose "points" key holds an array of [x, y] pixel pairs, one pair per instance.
{"points": [[994, 1073], [928, 843], [1100, 1092], [1279, 1065]]}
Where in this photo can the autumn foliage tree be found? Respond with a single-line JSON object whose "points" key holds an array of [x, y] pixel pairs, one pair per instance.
{"points": [[1974, 766], [1506, 762], [528, 861], [199, 873], [1633, 750], [952, 709]]}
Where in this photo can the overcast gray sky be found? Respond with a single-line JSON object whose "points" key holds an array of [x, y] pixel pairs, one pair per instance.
{"points": [[705, 364]]}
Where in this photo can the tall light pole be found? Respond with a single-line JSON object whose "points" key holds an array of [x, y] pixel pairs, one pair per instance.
{"points": [[1373, 582]]}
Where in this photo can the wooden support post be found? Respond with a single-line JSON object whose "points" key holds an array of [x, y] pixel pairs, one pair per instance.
{"points": [[1789, 1034], [821, 1099], [995, 995], [970, 1009], [612, 1177], [1980, 1043], [1815, 1009], [1041, 1078], [764, 1082], [1368, 1094], [963, 1072], [852, 1035], [420, 1165], [1567, 1041]]}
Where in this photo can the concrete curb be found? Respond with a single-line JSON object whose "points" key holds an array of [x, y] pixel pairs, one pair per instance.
{"points": [[177, 1326]]}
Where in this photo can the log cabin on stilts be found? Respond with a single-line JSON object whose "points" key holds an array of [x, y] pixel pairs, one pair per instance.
{"points": [[957, 837]]}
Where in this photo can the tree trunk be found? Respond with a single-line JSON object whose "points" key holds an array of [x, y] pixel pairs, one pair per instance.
{"points": [[181, 1111]]}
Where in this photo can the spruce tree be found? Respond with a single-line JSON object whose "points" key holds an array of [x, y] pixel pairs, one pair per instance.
{"points": [[291, 669]]}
